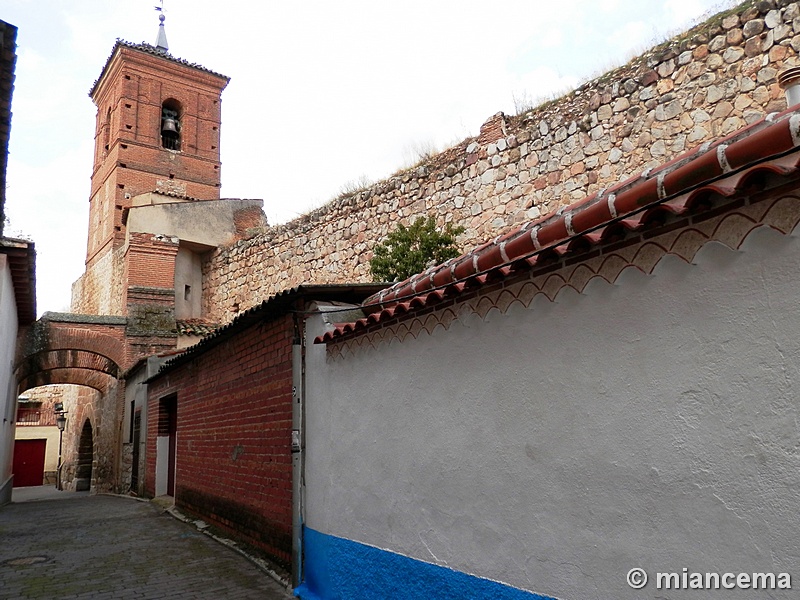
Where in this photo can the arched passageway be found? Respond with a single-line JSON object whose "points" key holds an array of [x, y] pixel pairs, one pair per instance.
{"points": [[54, 351]]}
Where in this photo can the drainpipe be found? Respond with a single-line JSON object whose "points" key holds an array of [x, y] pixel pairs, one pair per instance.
{"points": [[297, 451], [789, 80]]}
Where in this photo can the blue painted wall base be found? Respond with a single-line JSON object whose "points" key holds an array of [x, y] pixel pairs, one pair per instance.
{"points": [[340, 569]]}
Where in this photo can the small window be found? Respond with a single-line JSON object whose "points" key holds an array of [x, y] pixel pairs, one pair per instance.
{"points": [[107, 130]]}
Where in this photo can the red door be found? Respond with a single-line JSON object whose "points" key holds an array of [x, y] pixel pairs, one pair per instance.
{"points": [[29, 462]]}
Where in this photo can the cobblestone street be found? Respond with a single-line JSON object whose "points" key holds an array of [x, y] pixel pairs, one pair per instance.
{"points": [[81, 546]]}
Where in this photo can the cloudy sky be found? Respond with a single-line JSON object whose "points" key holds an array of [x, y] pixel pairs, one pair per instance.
{"points": [[322, 93]]}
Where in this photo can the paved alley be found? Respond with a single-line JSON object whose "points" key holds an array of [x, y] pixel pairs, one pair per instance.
{"points": [[80, 546]]}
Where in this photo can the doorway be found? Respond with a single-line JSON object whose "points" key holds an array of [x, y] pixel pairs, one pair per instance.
{"points": [[83, 472], [28, 464], [166, 445], [136, 440]]}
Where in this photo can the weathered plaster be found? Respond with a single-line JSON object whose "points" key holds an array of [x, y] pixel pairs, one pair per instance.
{"points": [[210, 222], [8, 387], [650, 423], [188, 285]]}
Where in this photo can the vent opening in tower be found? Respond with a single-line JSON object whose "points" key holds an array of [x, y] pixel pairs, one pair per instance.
{"points": [[171, 125]]}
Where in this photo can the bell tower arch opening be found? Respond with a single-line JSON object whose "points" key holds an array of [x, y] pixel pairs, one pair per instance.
{"points": [[171, 124]]}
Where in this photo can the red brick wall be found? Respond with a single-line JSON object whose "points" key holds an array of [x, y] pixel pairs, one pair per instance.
{"points": [[234, 436], [150, 261], [129, 158]]}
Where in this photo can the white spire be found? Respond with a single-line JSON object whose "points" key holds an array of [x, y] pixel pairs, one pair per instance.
{"points": [[161, 40]]}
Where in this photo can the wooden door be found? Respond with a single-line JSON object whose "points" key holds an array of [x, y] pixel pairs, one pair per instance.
{"points": [[28, 465]]}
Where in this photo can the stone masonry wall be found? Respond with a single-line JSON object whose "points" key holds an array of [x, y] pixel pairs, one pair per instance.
{"points": [[706, 83], [99, 290]]}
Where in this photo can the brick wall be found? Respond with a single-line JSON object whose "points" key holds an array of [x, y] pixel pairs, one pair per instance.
{"points": [[130, 160], [129, 157], [150, 260], [234, 436], [706, 83]]}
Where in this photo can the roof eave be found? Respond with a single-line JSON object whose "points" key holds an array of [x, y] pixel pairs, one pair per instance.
{"points": [[271, 308], [21, 256], [148, 49]]}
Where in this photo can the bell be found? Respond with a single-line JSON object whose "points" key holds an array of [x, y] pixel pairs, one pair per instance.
{"points": [[169, 125]]}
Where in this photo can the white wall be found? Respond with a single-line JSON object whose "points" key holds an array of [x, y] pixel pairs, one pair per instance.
{"points": [[162, 465], [209, 223], [652, 423], [8, 386], [188, 285]]}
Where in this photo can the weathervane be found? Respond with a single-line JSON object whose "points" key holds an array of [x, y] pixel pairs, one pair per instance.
{"points": [[161, 40]]}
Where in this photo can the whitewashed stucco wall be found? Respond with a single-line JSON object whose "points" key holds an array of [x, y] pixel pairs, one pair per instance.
{"points": [[651, 423], [8, 388]]}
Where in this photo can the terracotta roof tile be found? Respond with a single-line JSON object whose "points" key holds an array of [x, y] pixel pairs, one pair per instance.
{"points": [[195, 327]]}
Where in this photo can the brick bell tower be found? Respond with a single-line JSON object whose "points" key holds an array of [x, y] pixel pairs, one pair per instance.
{"points": [[157, 130]]}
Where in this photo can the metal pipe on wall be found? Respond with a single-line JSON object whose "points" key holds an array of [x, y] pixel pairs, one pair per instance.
{"points": [[297, 457]]}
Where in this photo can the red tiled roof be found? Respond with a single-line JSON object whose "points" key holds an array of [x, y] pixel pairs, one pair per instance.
{"points": [[195, 327], [733, 165]]}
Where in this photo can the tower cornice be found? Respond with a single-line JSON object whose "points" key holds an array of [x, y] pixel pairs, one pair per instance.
{"points": [[151, 50]]}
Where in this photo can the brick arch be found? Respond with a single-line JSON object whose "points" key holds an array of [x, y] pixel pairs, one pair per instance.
{"points": [[93, 379], [83, 338], [81, 354]]}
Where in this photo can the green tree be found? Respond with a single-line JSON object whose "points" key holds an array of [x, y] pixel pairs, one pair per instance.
{"points": [[410, 250]]}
